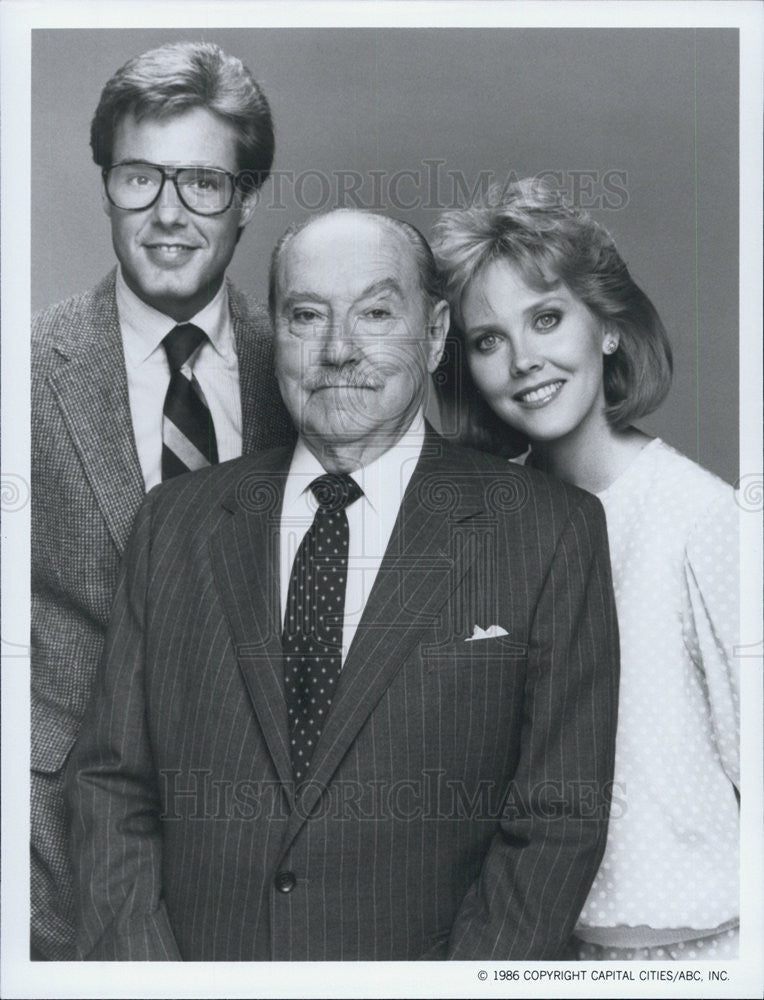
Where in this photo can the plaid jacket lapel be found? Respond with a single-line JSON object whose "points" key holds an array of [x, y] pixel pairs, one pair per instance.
{"points": [[90, 388]]}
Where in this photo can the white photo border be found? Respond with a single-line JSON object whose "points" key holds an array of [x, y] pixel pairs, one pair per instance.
{"points": [[22, 978]]}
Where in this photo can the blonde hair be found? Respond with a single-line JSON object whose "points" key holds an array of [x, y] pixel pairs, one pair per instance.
{"points": [[528, 225]]}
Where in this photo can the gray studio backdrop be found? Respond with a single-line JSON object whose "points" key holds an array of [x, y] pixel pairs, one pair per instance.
{"points": [[640, 125]]}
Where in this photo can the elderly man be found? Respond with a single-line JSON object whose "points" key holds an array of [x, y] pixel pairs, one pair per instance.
{"points": [[359, 697], [162, 368]]}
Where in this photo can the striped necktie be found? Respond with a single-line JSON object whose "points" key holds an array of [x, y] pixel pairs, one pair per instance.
{"points": [[188, 434], [315, 610]]}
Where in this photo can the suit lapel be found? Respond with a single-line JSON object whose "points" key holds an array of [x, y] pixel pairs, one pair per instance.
{"points": [[256, 382], [245, 563], [245, 351], [265, 421], [91, 391], [424, 562]]}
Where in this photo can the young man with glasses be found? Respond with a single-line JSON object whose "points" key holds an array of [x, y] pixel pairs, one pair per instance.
{"points": [[163, 368]]}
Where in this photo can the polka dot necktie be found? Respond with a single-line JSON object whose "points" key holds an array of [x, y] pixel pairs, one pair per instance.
{"points": [[188, 434], [312, 636]]}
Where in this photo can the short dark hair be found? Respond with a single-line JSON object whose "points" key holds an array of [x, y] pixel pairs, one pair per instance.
{"points": [[177, 77], [427, 270], [528, 225]]}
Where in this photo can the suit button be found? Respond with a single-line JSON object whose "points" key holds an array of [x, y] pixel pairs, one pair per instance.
{"points": [[285, 881]]}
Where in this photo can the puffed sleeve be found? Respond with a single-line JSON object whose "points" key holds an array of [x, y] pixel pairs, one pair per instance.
{"points": [[712, 620]]}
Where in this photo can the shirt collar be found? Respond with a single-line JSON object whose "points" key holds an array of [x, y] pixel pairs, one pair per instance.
{"points": [[383, 481], [144, 328]]}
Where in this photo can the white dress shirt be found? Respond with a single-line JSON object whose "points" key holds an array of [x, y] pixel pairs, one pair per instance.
{"points": [[370, 519], [148, 374]]}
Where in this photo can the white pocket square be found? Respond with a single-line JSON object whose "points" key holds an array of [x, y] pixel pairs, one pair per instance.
{"points": [[486, 633]]}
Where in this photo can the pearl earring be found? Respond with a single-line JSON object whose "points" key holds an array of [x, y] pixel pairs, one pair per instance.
{"points": [[610, 346]]}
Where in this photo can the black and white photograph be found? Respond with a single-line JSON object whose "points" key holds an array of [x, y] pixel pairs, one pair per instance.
{"points": [[381, 499]]}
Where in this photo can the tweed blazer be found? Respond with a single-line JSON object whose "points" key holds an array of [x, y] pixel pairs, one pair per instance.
{"points": [[86, 488], [459, 793]]}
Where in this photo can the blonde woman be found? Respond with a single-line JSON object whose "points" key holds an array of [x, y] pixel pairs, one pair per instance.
{"points": [[556, 347]]}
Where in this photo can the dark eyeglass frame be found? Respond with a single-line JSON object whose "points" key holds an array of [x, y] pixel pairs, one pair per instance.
{"points": [[170, 173]]}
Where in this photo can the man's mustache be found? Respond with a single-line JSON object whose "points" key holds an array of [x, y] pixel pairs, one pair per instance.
{"points": [[344, 377]]}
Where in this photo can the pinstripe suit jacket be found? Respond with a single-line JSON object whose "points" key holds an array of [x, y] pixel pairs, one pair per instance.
{"points": [[87, 486], [458, 800]]}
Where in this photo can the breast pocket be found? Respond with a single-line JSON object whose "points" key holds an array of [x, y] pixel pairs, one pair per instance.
{"points": [[474, 695], [496, 651]]}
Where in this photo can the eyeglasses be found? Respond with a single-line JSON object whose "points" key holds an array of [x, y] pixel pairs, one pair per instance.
{"points": [[134, 186]]}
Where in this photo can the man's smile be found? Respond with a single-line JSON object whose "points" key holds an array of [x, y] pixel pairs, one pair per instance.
{"points": [[169, 253]]}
